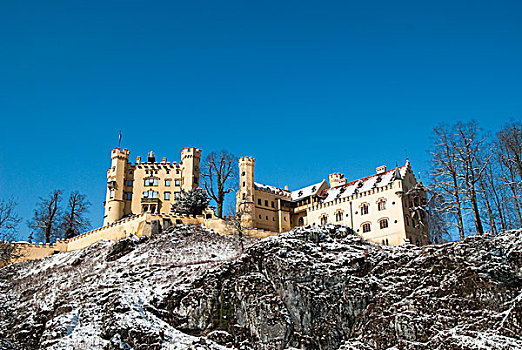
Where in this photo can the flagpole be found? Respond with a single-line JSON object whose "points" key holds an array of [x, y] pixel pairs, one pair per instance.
{"points": [[119, 140]]}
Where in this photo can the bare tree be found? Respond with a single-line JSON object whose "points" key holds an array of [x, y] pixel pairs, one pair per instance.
{"points": [[73, 220], [46, 217], [469, 145], [8, 224], [219, 172], [235, 222], [445, 177], [510, 158]]}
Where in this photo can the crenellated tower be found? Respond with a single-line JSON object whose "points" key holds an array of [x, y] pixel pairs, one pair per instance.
{"points": [[190, 158], [245, 195], [114, 199]]}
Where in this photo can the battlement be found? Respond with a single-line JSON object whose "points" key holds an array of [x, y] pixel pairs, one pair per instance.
{"points": [[247, 159], [120, 153], [273, 190], [336, 179], [189, 152]]}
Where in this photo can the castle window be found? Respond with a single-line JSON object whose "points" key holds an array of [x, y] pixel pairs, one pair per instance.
{"points": [[176, 182], [300, 222], [150, 194], [244, 196], [273, 219], [128, 196], [244, 183], [111, 194], [243, 173], [259, 201], [167, 172], [129, 182], [339, 216], [196, 180], [151, 182], [166, 196], [273, 204], [266, 203], [267, 217], [260, 216], [366, 227], [383, 223], [324, 219], [167, 183], [176, 195], [364, 209], [381, 205]]}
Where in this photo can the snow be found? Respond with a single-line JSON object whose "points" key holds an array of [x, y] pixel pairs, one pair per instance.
{"points": [[362, 185], [295, 195]]}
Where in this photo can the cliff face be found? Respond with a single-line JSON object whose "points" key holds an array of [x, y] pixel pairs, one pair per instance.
{"points": [[311, 288]]}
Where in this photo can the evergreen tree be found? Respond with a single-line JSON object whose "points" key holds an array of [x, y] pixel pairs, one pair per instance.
{"points": [[191, 202]]}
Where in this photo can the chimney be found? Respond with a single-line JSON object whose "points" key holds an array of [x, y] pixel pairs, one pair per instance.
{"points": [[138, 159], [164, 160], [381, 169], [286, 187], [151, 157]]}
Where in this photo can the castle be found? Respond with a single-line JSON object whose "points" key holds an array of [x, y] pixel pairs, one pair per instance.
{"points": [[147, 187], [383, 208]]}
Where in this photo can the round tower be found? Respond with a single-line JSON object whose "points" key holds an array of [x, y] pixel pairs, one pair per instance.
{"points": [[245, 196], [190, 158], [114, 204]]}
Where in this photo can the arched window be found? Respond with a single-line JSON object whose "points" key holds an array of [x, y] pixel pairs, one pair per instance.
{"points": [[364, 208], [383, 223], [381, 204], [366, 227], [339, 216], [300, 222], [324, 220]]}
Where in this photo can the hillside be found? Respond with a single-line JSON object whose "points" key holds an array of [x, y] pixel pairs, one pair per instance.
{"points": [[311, 288]]}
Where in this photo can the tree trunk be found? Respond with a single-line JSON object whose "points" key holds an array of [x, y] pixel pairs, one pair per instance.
{"points": [[476, 213], [491, 217], [460, 222]]}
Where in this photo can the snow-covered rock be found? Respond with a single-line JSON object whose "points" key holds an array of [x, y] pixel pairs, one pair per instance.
{"points": [[311, 288]]}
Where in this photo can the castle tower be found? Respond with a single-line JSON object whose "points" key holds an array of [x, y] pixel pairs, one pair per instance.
{"points": [[190, 158], [245, 195], [114, 201]]}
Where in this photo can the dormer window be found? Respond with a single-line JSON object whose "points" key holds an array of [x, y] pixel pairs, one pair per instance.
{"points": [[360, 184], [313, 189], [300, 193]]}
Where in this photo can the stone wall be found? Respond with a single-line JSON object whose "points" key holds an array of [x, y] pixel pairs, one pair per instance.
{"points": [[139, 225]]}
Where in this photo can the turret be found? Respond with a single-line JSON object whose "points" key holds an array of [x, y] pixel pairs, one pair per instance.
{"points": [[336, 179], [245, 195], [114, 204], [190, 158]]}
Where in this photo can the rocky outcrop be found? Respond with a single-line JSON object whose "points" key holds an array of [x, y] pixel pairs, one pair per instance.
{"points": [[311, 288]]}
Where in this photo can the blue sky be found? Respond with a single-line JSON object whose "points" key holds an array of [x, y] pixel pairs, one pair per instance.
{"points": [[305, 87]]}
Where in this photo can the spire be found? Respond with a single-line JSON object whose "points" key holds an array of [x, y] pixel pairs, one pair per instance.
{"points": [[397, 174]]}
